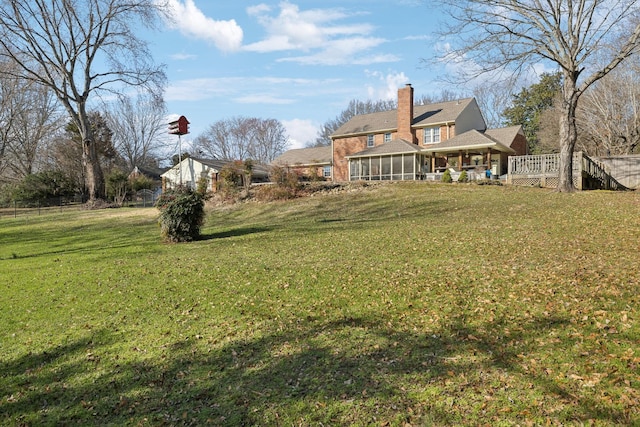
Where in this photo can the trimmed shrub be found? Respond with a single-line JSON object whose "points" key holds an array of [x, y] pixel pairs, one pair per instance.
{"points": [[446, 176], [181, 214], [463, 177]]}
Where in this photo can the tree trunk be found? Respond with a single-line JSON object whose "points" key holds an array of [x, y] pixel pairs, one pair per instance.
{"points": [[568, 135], [94, 176]]}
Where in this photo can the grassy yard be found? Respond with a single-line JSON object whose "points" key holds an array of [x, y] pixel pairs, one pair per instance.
{"points": [[404, 304]]}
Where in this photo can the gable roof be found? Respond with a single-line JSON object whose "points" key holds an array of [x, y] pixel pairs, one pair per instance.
{"points": [[149, 172], [397, 146], [505, 135], [474, 139], [259, 171], [212, 163], [423, 115], [305, 156]]}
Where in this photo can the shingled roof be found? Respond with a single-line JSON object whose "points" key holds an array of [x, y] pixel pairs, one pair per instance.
{"points": [[423, 115], [397, 146], [497, 139], [305, 157]]}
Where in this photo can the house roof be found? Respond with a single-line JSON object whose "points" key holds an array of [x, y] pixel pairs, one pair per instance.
{"points": [[149, 172], [505, 135], [212, 163], [497, 139], [423, 115], [258, 171], [396, 146], [305, 156]]}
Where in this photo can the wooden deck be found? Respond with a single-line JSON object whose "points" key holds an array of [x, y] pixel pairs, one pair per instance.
{"points": [[544, 171]]}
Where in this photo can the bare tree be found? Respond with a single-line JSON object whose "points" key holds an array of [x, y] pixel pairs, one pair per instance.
{"points": [[29, 114], [505, 34], [78, 48], [270, 140], [243, 138], [138, 127], [609, 115], [493, 99], [8, 112], [445, 95], [36, 118]]}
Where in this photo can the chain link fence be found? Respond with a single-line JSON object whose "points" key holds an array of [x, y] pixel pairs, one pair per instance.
{"points": [[139, 199]]}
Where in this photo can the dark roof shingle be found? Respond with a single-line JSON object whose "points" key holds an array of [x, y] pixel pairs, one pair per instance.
{"points": [[305, 156], [423, 115]]}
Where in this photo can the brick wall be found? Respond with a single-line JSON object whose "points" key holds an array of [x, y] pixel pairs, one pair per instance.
{"points": [[451, 132], [520, 145], [344, 147]]}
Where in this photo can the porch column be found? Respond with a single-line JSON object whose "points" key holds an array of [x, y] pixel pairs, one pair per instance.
{"points": [[460, 160], [432, 157], [488, 158]]}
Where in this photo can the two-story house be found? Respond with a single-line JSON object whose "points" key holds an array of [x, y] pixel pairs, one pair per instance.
{"points": [[417, 142]]}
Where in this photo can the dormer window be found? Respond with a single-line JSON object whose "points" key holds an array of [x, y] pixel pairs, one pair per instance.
{"points": [[387, 137], [432, 135], [370, 142]]}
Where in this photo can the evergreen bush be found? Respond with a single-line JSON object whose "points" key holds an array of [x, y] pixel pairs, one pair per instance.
{"points": [[463, 177], [181, 214], [43, 185], [446, 176]]}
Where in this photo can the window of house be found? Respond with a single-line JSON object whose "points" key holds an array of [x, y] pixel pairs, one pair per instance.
{"points": [[370, 141], [432, 135], [326, 172], [387, 137]]}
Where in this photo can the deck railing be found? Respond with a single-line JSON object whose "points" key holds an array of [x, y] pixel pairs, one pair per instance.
{"points": [[534, 164], [544, 170]]}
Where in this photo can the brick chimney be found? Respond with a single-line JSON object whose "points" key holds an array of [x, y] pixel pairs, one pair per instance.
{"points": [[405, 114]]}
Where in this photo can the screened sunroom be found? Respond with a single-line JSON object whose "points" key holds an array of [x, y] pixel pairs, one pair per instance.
{"points": [[396, 160]]}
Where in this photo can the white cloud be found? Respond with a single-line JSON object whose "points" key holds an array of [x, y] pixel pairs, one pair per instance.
{"points": [[195, 89], [183, 56], [315, 31], [387, 85], [419, 38], [189, 20], [345, 51], [263, 98], [300, 132], [245, 89]]}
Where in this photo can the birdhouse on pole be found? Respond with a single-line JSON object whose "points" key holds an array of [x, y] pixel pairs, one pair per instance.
{"points": [[179, 127]]}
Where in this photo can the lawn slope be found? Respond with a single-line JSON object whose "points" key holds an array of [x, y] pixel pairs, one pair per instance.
{"points": [[401, 304]]}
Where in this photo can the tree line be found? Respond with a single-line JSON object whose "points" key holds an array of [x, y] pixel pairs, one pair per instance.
{"points": [[54, 70]]}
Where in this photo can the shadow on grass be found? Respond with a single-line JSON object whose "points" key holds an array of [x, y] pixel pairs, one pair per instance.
{"points": [[347, 371], [236, 232]]}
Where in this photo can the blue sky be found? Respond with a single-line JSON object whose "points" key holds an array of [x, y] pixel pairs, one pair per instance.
{"points": [[298, 61]]}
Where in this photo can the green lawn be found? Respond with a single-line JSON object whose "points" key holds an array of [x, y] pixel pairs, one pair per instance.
{"points": [[404, 304]]}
